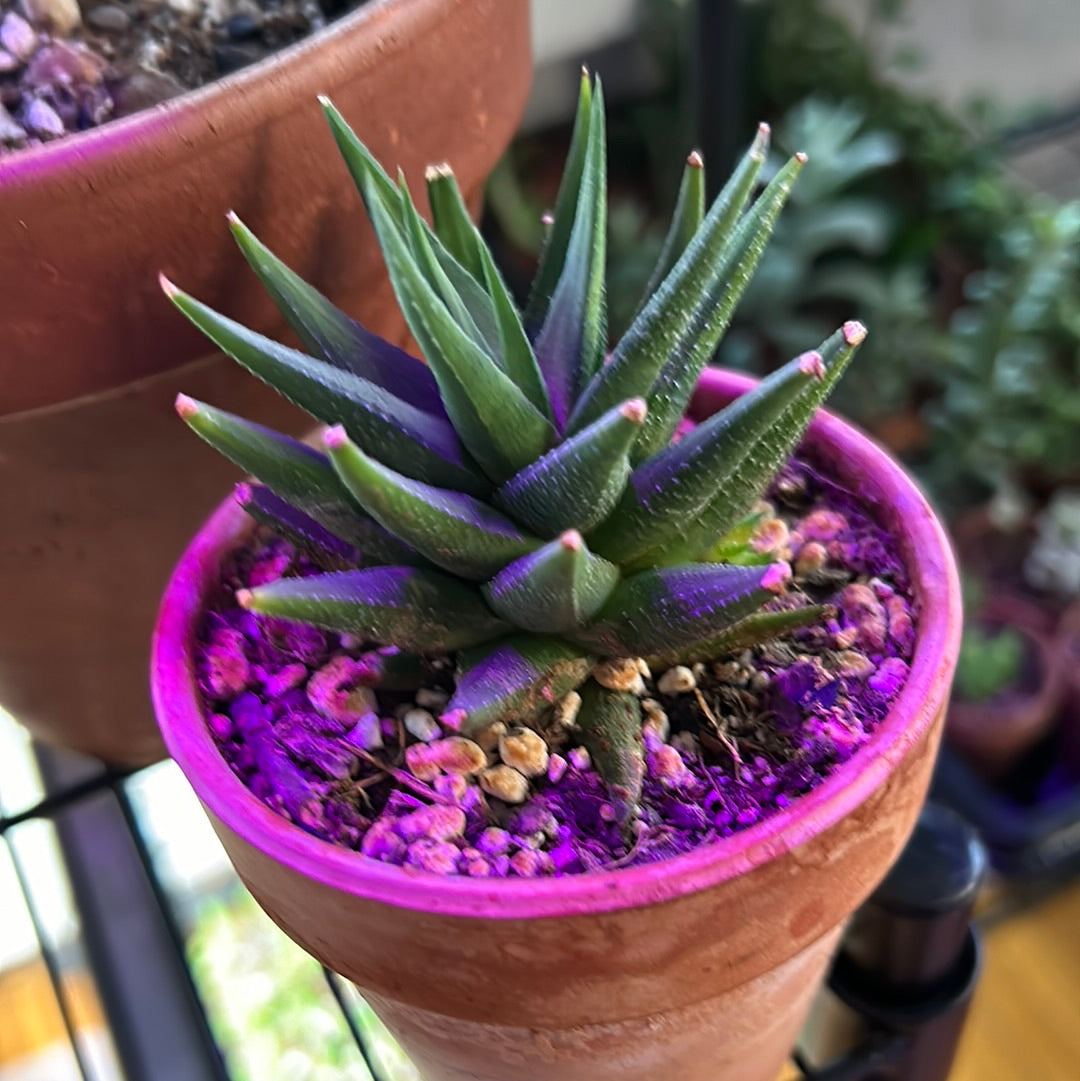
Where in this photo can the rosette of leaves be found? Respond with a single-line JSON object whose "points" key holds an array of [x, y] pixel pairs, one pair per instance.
{"points": [[519, 501]]}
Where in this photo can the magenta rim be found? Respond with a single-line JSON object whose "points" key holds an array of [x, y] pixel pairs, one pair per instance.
{"points": [[930, 562]]}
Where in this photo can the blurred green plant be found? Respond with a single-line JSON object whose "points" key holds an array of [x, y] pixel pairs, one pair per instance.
{"points": [[990, 662], [1053, 563], [269, 1006]]}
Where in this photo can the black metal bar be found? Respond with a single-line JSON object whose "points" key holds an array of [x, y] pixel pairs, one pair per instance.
{"points": [[65, 797], [48, 957], [718, 59], [354, 1029], [159, 1027]]}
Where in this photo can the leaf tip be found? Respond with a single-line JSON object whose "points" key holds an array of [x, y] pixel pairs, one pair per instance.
{"points": [[167, 287], [634, 410], [185, 407], [547, 219], [571, 540], [854, 332], [761, 141], [453, 719], [245, 598], [243, 493], [324, 101], [801, 157], [335, 437], [776, 577], [695, 160], [439, 171], [811, 364]]}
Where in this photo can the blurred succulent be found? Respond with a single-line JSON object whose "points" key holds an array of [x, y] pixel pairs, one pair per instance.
{"points": [[1009, 407], [519, 501], [990, 661], [1053, 563]]}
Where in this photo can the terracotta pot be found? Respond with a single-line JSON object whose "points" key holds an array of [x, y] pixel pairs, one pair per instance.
{"points": [[701, 967], [994, 734], [102, 486]]}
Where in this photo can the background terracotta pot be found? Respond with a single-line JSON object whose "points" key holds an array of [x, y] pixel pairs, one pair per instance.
{"points": [[701, 967], [995, 733], [102, 486]]}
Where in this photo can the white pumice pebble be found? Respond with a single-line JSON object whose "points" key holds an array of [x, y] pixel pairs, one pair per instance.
{"points": [[620, 674], [432, 698], [421, 762], [566, 710], [505, 783], [422, 725], [578, 757], [438, 823], [458, 755], [488, 738], [677, 680]]}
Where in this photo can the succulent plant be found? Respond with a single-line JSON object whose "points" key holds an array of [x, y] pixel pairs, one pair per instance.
{"points": [[520, 501]]}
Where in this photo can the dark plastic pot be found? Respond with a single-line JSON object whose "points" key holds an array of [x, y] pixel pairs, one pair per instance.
{"points": [[701, 967]]}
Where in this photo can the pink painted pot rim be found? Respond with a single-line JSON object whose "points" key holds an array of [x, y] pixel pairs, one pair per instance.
{"points": [[180, 121], [935, 580]]}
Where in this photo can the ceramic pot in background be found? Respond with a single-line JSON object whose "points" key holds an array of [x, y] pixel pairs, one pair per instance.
{"points": [[102, 486], [700, 967]]}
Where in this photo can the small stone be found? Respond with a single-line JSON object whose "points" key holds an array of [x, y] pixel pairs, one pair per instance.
{"points": [[437, 857], [524, 750], [505, 783], [334, 692], [421, 762], [686, 742], [677, 680], [18, 37], [759, 682], [853, 665], [64, 64], [771, 537], [666, 764], [220, 725], [865, 611], [527, 863], [557, 767], [432, 698], [578, 757], [422, 725], [494, 841], [284, 679], [656, 720], [381, 842], [643, 667], [11, 133], [8, 63], [452, 787], [438, 823], [811, 558], [478, 867], [111, 18], [823, 525], [488, 738], [889, 677], [242, 27], [367, 733], [59, 17], [620, 674], [566, 710], [458, 755]]}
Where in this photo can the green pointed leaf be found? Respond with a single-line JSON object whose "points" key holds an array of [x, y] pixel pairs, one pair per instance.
{"points": [[570, 345], [671, 392], [554, 589], [518, 360], [417, 443], [576, 485], [296, 473], [745, 486], [515, 679], [685, 222], [416, 609], [494, 419], [752, 631], [669, 323], [667, 492], [330, 552], [368, 175], [674, 607], [553, 257], [329, 334], [451, 220], [610, 727], [452, 530]]}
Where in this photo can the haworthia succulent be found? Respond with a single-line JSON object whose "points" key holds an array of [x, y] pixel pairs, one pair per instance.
{"points": [[745, 487], [327, 550], [685, 222], [678, 606], [751, 631], [496, 422], [610, 726], [514, 679], [556, 588], [669, 490], [296, 473], [414, 608], [576, 485], [329, 334], [451, 220], [570, 344], [667, 322], [417, 443], [451, 529], [368, 175], [553, 256]]}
